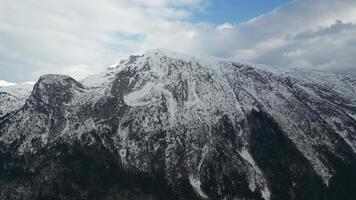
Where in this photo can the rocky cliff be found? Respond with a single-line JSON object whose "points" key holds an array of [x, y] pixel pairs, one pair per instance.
{"points": [[170, 126]]}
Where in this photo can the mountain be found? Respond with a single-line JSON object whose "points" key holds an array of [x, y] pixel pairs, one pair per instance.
{"points": [[164, 125], [13, 97]]}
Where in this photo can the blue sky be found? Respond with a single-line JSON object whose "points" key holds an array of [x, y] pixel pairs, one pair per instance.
{"points": [[81, 37], [236, 11]]}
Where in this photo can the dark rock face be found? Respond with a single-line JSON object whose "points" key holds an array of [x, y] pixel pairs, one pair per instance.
{"points": [[289, 173], [170, 126], [51, 92]]}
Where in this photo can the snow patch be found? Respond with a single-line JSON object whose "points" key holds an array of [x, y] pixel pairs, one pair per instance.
{"points": [[247, 156], [136, 98], [252, 182], [266, 194], [353, 116], [196, 184]]}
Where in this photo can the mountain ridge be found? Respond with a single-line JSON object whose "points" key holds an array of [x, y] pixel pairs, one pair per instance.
{"points": [[196, 124]]}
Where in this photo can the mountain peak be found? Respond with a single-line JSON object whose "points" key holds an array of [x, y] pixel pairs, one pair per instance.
{"points": [[167, 53], [205, 128], [55, 78], [53, 90]]}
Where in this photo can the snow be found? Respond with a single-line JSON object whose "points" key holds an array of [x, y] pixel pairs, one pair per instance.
{"points": [[158, 53], [212, 86], [136, 98], [266, 194], [353, 116], [236, 93], [13, 97], [196, 184], [247, 156], [99, 80], [343, 132], [252, 179], [18, 90]]}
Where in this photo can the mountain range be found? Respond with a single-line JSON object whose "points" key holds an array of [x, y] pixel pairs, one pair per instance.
{"points": [[165, 125]]}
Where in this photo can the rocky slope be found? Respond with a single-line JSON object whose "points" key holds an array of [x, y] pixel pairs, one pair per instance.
{"points": [[169, 126], [13, 97]]}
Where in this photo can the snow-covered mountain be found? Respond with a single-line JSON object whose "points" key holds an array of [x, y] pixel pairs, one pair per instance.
{"points": [[13, 97], [170, 126]]}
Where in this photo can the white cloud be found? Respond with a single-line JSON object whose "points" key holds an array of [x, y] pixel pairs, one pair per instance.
{"points": [[40, 36], [317, 34], [81, 37], [5, 83], [224, 26]]}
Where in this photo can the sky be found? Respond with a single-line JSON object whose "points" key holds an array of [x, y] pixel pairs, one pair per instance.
{"points": [[236, 11], [83, 37]]}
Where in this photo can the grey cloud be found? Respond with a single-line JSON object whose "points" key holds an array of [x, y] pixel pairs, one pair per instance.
{"points": [[338, 27]]}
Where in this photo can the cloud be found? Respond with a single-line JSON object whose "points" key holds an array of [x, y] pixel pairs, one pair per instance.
{"points": [[294, 53], [82, 37], [336, 28], [318, 34], [224, 26], [40, 36], [5, 83]]}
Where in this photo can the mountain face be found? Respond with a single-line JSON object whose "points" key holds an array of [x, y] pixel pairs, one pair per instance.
{"points": [[13, 97], [169, 126]]}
